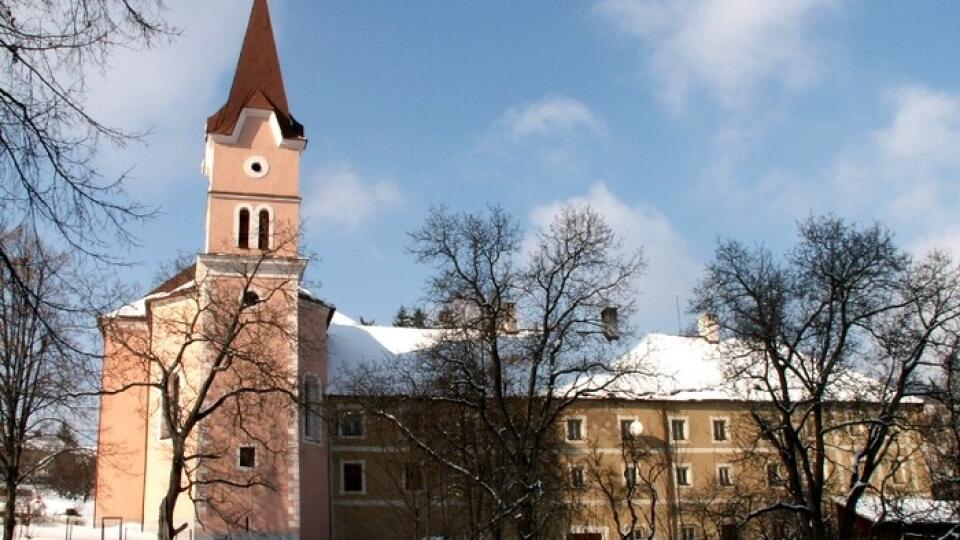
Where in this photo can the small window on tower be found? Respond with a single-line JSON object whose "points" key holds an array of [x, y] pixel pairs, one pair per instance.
{"points": [[250, 298], [243, 229], [256, 167], [263, 230], [247, 457]]}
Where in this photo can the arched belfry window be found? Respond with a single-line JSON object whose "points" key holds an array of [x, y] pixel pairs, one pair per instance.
{"points": [[243, 229], [263, 229]]}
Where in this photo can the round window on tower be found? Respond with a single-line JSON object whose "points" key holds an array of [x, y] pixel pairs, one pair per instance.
{"points": [[256, 166]]}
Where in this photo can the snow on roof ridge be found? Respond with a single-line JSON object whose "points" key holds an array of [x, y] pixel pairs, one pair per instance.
{"points": [[138, 308]]}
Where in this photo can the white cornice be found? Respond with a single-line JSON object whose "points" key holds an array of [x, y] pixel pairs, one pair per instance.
{"points": [[248, 112], [233, 265]]}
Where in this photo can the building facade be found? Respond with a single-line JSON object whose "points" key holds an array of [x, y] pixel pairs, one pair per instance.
{"points": [[664, 466]]}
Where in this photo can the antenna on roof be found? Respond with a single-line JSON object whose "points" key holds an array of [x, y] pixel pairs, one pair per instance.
{"points": [[679, 328]]}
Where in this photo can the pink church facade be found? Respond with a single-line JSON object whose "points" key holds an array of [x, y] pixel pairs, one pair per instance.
{"points": [[252, 162]]}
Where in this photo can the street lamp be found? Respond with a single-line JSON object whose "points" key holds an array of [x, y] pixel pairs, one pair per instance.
{"points": [[636, 428]]}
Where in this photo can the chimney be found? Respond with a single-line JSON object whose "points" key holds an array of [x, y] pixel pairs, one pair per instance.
{"points": [[508, 323], [709, 327], [610, 323]]}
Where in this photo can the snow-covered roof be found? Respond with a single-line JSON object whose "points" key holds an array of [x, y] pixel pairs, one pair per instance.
{"points": [[138, 308], [659, 366], [671, 367], [351, 345], [691, 368], [908, 510]]}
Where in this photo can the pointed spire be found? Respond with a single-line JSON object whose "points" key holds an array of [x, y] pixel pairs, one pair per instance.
{"points": [[257, 82]]}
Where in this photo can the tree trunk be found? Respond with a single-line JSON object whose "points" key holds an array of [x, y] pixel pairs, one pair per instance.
{"points": [[10, 512], [167, 530]]}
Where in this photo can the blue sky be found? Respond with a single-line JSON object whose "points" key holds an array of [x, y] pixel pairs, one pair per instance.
{"points": [[682, 122]]}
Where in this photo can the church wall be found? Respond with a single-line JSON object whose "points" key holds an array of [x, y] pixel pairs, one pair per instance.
{"points": [[314, 496], [266, 422], [121, 451], [168, 318]]}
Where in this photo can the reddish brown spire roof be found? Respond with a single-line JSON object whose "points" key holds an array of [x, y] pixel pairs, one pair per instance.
{"points": [[257, 82]]}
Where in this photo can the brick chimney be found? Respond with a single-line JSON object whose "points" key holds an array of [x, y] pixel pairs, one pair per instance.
{"points": [[708, 326]]}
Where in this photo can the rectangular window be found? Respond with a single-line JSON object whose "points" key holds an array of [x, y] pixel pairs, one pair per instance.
{"points": [[637, 534], [351, 425], [352, 477], [774, 478], [574, 429], [630, 476], [577, 480], [724, 477], [247, 457], [678, 429], [683, 475], [173, 385], [719, 430], [311, 403], [413, 479], [688, 532]]}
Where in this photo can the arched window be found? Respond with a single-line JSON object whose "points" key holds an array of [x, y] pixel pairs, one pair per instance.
{"points": [[243, 229], [263, 229], [311, 404]]}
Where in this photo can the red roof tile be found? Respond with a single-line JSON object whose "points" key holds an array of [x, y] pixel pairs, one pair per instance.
{"points": [[257, 82]]}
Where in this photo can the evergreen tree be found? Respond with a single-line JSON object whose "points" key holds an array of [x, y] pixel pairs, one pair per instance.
{"points": [[402, 318], [419, 318], [71, 471]]}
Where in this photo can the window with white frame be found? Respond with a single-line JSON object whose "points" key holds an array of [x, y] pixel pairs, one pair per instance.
{"points": [[626, 427], [774, 476], [577, 478], [898, 474], [683, 475], [173, 385], [263, 229], [247, 457], [630, 476], [413, 477], [351, 424], [243, 228], [574, 428], [688, 532], [719, 429], [352, 477], [312, 423], [725, 475], [678, 429]]}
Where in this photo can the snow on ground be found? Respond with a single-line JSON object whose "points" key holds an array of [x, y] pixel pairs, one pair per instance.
{"points": [[52, 523], [61, 531]]}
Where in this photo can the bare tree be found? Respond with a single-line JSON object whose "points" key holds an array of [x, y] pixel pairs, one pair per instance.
{"points": [[50, 180], [217, 359], [530, 331], [842, 302], [640, 471], [39, 369]]}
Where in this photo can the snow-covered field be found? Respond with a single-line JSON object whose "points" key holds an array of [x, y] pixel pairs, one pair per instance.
{"points": [[52, 524], [61, 531]]}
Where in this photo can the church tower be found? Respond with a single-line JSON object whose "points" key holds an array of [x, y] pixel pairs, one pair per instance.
{"points": [[252, 155]]}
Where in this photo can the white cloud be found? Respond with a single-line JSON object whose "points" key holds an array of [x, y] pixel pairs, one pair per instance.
{"points": [[729, 49], [550, 116], [671, 268], [341, 197], [904, 173], [169, 90], [556, 133], [925, 127]]}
